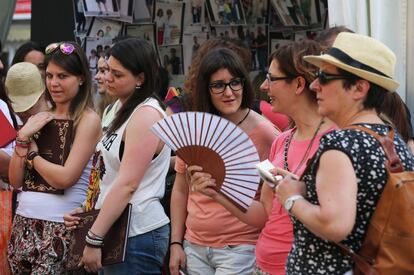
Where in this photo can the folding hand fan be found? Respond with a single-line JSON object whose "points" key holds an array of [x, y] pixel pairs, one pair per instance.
{"points": [[217, 145]]}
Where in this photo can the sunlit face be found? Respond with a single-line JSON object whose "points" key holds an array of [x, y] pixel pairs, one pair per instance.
{"points": [[37, 58], [100, 75], [280, 92], [229, 101], [330, 96], [121, 82], [62, 86]]}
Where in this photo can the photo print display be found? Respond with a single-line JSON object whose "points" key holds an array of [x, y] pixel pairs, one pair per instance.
{"points": [[194, 13], [169, 21], [277, 40], [82, 23], [283, 12], [96, 48], [225, 12], [101, 28], [289, 12], [126, 10], [103, 8], [145, 31], [275, 23], [314, 11], [256, 11], [172, 59], [191, 42]]}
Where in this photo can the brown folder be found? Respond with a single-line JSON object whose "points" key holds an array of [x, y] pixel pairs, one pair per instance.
{"points": [[54, 141], [115, 241]]}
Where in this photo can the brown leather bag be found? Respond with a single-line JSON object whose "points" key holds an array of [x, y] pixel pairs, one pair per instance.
{"points": [[388, 247]]}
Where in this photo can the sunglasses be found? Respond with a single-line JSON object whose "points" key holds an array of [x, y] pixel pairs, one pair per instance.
{"points": [[325, 78], [65, 48], [270, 78], [219, 87]]}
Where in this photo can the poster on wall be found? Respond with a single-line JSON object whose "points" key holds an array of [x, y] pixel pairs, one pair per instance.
{"points": [[172, 59], [95, 48], [225, 12], [103, 8], [256, 11], [144, 31], [194, 13], [277, 40], [192, 39], [101, 27], [169, 20]]}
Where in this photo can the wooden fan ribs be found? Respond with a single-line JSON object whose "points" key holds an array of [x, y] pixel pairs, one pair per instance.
{"points": [[217, 145]]}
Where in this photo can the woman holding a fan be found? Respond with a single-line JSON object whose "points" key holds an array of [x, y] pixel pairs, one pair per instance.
{"points": [[206, 238]]}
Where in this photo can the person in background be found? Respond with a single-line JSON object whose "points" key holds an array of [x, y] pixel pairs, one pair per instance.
{"points": [[349, 166], [160, 19], [326, 37], [175, 62], [107, 106], [395, 112], [206, 238], [39, 236], [31, 52], [26, 91], [135, 162]]}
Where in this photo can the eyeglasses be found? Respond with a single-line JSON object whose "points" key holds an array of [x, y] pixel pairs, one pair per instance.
{"points": [[65, 48], [324, 78], [219, 87], [270, 78]]}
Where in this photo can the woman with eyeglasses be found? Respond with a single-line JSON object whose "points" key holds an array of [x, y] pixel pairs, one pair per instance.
{"points": [[134, 165], [287, 84], [206, 238], [39, 237]]}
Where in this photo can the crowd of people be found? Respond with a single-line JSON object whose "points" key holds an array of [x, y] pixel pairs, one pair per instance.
{"points": [[293, 226]]}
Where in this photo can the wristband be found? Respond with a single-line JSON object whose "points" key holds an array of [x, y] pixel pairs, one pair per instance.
{"points": [[179, 243]]}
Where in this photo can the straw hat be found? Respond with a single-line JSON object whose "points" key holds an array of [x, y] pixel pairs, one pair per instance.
{"points": [[24, 86], [362, 56]]}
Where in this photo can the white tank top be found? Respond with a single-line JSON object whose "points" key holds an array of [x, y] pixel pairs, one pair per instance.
{"points": [[147, 211], [51, 207]]}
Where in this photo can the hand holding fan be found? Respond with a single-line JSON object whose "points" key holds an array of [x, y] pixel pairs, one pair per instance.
{"points": [[223, 150]]}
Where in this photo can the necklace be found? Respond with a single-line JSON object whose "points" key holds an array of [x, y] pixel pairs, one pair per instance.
{"points": [[244, 118], [305, 156]]}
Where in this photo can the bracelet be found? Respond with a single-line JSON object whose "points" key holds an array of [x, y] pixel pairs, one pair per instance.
{"points": [[23, 145], [93, 242], [179, 243], [17, 154], [94, 236], [93, 246], [22, 141]]}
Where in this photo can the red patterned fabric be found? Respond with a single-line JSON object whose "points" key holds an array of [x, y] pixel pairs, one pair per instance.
{"points": [[5, 227]]}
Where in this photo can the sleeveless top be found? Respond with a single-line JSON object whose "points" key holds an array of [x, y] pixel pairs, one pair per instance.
{"points": [[147, 211], [51, 207], [313, 255]]}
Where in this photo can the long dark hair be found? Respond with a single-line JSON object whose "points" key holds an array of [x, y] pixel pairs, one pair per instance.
{"points": [[397, 113], [76, 64], [137, 56], [219, 58], [24, 49]]}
